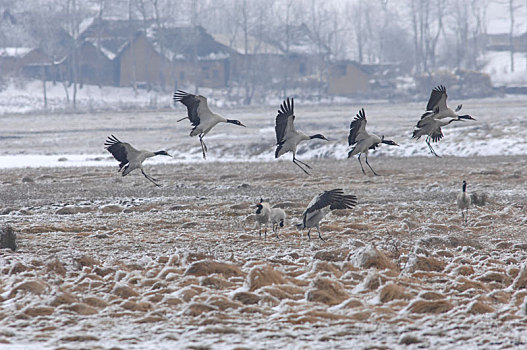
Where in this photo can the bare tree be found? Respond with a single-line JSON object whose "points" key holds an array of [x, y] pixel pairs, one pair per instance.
{"points": [[511, 32], [288, 14], [460, 15], [73, 14], [161, 38], [357, 17], [479, 28]]}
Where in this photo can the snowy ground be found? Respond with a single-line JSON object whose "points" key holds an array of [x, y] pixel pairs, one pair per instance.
{"points": [[498, 67], [107, 262], [77, 139], [111, 262]]}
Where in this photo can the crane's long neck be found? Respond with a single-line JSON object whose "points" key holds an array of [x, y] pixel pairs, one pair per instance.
{"points": [[452, 120], [464, 187]]}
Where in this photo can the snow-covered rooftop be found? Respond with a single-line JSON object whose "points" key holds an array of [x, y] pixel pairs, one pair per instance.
{"points": [[14, 51]]}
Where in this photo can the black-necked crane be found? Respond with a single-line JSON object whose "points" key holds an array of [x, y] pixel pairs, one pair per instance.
{"points": [[464, 201], [362, 141], [431, 127], [436, 106], [322, 204], [200, 116], [277, 218], [129, 157], [433, 119], [263, 215], [287, 137]]}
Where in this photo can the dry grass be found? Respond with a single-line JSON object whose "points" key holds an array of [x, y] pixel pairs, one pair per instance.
{"points": [[186, 259]]}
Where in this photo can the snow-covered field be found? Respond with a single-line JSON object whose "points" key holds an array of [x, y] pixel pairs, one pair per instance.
{"points": [[498, 67], [111, 262], [37, 140]]}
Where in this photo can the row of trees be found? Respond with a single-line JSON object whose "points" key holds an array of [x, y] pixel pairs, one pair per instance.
{"points": [[436, 33]]}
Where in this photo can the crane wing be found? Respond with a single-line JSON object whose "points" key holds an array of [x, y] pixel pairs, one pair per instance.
{"points": [[335, 199], [437, 99], [121, 151], [196, 105], [436, 135], [347, 202], [284, 120], [357, 128]]}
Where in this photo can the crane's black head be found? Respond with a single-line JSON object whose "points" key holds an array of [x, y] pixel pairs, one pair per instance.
{"points": [[465, 117], [162, 153], [318, 136], [388, 142], [235, 122], [260, 207], [300, 226]]}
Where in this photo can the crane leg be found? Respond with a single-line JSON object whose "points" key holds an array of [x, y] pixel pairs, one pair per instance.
{"points": [[431, 148], [203, 146], [301, 162], [374, 173], [150, 178], [298, 165], [308, 234], [361, 165], [319, 236]]}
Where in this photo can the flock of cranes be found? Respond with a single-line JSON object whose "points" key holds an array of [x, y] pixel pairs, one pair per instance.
{"points": [[436, 116]]}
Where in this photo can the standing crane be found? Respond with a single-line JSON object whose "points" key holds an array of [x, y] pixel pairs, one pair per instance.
{"points": [[322, 204], [362, 140], [263, 215], [200, 116], [464, 201], [129, 157], [277, 218], [432, 121], [287, 138]]}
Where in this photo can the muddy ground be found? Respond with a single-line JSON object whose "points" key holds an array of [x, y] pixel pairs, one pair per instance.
{"points": [[106, 262]]}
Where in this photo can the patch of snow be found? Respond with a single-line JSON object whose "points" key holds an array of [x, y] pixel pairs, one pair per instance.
{"points": [[14, 51], [498, 67]]}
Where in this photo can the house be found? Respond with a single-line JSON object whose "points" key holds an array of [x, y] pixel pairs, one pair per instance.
{"points": [[140, 61], [347, 78], [288, 56], [36, 64], [260, 62], [11, 59], [501, 42], [303, 52], [118, 53], [198, 59], [124, 53]]}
